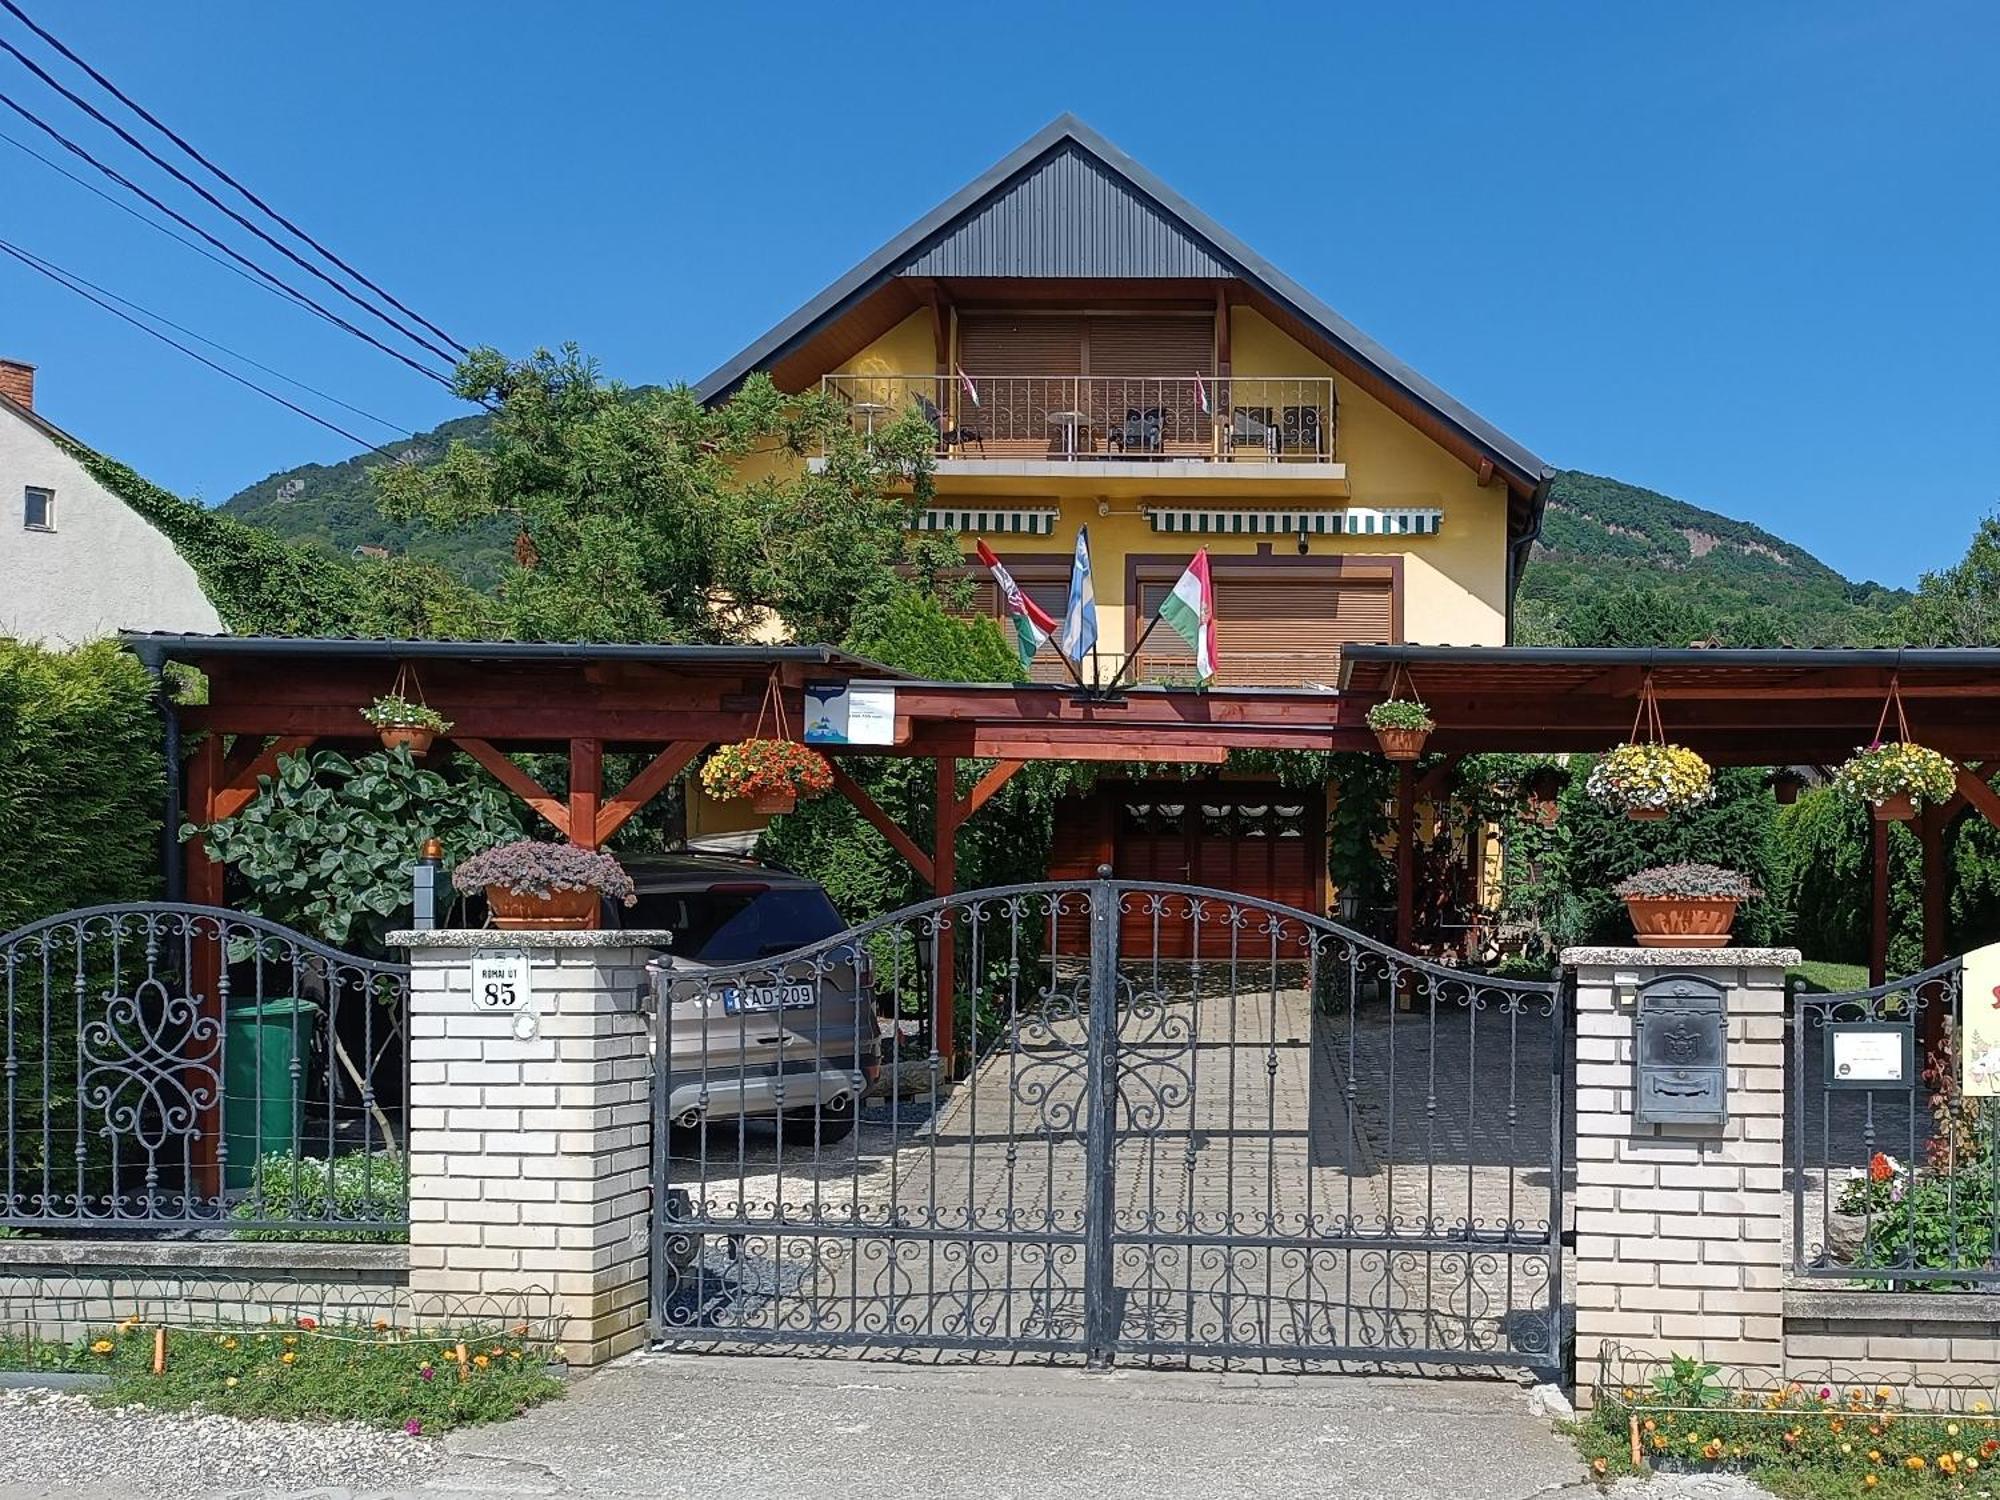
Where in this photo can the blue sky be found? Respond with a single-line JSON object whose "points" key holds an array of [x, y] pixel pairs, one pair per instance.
{"points": [[1743, 254]]}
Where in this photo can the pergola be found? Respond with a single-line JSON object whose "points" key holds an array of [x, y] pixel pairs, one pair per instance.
{"points": [[276, 695]]}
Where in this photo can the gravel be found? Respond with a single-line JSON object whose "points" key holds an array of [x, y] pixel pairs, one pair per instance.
{"points": [[53, 1444]]}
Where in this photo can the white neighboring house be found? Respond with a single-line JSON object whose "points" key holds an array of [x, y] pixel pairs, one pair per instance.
{"points": [[76, 562]]}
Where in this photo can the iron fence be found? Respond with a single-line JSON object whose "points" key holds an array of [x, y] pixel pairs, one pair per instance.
{"points": [[1175, 1124], [1895, 1175], [176, 1066], [1243, 418]]}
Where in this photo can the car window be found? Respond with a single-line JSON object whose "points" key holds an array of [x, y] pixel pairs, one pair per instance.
{"points": [[738, 925]]}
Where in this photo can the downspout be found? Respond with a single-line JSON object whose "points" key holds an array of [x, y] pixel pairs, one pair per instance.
{"points": [[1519, 548], [173, 870]]}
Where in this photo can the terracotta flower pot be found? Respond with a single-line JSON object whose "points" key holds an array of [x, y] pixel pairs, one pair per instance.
{"points": [[1682, 921], [1901, 808], [558, 909], [1645, 814], [416, 736], [1402, 744], [774, 802]]}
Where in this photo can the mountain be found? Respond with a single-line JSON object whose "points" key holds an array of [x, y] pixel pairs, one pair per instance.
{"points": [[334, 505], [1711, 577], [1722, 580]]}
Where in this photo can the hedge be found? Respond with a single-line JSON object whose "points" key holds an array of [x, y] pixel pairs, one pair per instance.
{"points": [[81, 780]]}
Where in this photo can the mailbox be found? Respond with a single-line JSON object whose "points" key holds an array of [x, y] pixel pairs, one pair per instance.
{"points": [[1679, 1051]]}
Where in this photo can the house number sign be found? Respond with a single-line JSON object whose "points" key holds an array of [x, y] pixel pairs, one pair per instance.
{"points": [[500, 983]]}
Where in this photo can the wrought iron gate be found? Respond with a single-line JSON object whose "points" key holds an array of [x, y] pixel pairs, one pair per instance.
{"points": [[1292, 1143]]}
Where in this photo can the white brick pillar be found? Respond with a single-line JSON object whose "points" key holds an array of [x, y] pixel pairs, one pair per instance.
{"points": [[1681, 1230], [530, 1133]]}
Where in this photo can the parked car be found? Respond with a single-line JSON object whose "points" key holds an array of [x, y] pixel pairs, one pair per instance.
{"points": [[798, 1043]]}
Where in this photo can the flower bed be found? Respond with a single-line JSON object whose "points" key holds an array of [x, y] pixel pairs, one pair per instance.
{"points": [[1804, 1438]]}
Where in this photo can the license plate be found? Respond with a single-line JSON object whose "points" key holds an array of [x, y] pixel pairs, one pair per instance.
{"points": [[763, 997]]}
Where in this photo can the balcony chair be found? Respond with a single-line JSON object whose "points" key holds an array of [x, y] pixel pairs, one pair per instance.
{"points": [[1141, 431], [1301, 430], [1251, 427], [948, 437]]}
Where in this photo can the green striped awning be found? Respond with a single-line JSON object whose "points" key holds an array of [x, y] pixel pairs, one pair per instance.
{"points": [[993, 522], [1350, 520]]}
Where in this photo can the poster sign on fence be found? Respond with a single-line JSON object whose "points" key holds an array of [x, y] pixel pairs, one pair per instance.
{"points": [[1979, 1023]]}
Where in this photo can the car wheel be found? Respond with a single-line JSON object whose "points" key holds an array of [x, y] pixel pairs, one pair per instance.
{"points": [[833, 1121]]}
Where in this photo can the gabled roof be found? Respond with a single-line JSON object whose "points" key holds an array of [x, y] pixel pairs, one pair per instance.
{"points": [[1068, 203]]}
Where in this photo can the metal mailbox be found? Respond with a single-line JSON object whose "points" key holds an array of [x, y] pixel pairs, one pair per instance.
{"points": [[1679, 1051]]}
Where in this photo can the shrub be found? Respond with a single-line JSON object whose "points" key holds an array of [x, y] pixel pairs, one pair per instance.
{"points": [[1898, 769], [82, 780], [1400, 713], [347, 1191], [1690, 881], [1642, 777], [530, 868], [394, 712]]}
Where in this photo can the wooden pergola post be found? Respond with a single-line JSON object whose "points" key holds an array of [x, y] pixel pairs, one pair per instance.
{"points": [[944, 876], [1406, 856], [1878, 925]]}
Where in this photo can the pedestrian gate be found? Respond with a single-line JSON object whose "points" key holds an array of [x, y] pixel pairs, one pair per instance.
{"points": [[1287, 1142]]}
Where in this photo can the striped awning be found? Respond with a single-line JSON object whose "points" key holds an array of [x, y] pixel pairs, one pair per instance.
{"points": [[1349, 520], [989, 522]]}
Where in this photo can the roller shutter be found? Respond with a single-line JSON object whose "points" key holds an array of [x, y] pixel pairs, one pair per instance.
{"points": [[1275, 632]]}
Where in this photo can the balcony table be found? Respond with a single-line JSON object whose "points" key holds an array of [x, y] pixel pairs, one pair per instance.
{"points": [[1069, 422], [869, 411]]}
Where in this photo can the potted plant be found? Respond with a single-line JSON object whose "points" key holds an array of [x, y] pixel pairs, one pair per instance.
{"points": [[1684, 906], [1897, 779], [1649, 780], [401, 722], [1401, 726], [529, 884], [771, 775]]}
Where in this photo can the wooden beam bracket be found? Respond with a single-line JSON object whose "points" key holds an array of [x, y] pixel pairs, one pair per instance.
{"points": [[651, 780], [885, 825], [518, 781]]}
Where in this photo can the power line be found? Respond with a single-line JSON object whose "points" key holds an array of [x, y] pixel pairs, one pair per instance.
{"points": [[44, 264], [62, 279], [216, 203], [123, 207], [151, 119], [186, 223]]}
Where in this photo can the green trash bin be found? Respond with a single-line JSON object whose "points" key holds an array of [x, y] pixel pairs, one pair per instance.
{"points": [[262, 1109]]}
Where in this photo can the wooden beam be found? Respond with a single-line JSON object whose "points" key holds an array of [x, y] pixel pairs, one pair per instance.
{"points": [[236, 794], [944, 866], [1485, 472], [517, 781], [1975, 789], [652, 779], [1930, 831], [885, 825], [1406, 857], [1017, 745], [586, 790], [984, 789], [1878, 924], [1438, 777]]}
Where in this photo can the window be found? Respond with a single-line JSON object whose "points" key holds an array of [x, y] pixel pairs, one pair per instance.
{"points": [[38, 511]]}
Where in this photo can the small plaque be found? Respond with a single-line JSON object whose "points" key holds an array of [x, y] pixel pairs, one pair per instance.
{"points": [[1869, 1055], [842, 713], [500, 980]]}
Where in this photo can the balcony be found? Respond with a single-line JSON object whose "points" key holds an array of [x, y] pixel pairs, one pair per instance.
{"points": [[1228, 431]]}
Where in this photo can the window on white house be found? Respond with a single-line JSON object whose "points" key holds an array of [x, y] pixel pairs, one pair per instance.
{"points": [[38, 512]]}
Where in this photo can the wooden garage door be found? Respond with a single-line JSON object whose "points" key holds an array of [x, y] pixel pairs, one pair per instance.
{"points": [[1274, 631], [1258, 840]]}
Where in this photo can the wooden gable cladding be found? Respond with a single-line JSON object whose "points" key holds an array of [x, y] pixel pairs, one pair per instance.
{"points": [[1278, 621]]}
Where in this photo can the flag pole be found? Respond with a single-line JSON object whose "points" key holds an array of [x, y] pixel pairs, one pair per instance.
{"points": [[1133, 655]]}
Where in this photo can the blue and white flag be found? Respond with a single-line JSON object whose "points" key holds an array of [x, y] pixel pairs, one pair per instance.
{"points": [[1079, 623]]}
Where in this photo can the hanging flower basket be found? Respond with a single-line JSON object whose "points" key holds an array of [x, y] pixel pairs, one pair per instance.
{"points": [[400, 722], [1898, 779], [532, 885], [1684, 906], [1646, 782], [1401, 726], [771, 775]]}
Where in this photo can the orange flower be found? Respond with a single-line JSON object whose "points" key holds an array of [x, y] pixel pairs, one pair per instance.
{"points": [[1659, 1443], [1947, 1464], [481, 1360], [1990, 1447], [1913, 1463], [1879, 1169], [1713, 1450]]}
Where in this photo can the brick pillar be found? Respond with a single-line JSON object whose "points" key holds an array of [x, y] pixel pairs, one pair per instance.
{"points": [[529, 1139], [1681, 1231]]}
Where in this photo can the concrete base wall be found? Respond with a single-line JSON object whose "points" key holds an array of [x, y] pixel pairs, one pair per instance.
{"points": [[1935, 1348]]}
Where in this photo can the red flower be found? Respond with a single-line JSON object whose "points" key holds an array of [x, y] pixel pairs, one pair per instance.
{"points": [[1879, 1169], [308, 1323]]}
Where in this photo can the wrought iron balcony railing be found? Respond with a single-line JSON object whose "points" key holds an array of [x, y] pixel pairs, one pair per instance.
{"points": [[1067, 418]]}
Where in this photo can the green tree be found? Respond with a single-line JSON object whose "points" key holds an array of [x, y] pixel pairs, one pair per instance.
{"points": [[1960, 605], [643, 515]]}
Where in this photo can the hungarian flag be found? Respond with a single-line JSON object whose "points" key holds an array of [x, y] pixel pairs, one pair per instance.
{"points": [[1033, 625], [1190, 613]]}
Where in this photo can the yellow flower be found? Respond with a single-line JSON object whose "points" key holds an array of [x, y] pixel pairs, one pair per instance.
{"points": [[1869, 1481], [1598, 1466], [130, 1323], [1951, 1429], [1882, 1393], [290, 1339], [1874, 1455], [102, 1346], [513, 1353], [287, 1357], [1847, 1447], [1981, 1406], [1913, 1463], [1947, 1463], [229, 1343], [230, 1383], [481, 1360]]}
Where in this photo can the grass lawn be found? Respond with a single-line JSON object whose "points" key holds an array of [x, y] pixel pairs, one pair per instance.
{"points": [[380, 1376], [1825, 978]]}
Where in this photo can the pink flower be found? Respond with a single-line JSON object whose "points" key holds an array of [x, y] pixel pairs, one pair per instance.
{"points": [[427, 1373], [413, 1427]]}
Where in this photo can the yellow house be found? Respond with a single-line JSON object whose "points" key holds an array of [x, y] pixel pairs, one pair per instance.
{"points": [[1094, 351]]}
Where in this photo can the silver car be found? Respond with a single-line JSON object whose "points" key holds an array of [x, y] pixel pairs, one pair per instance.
{"points": [[797, 1043]]}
